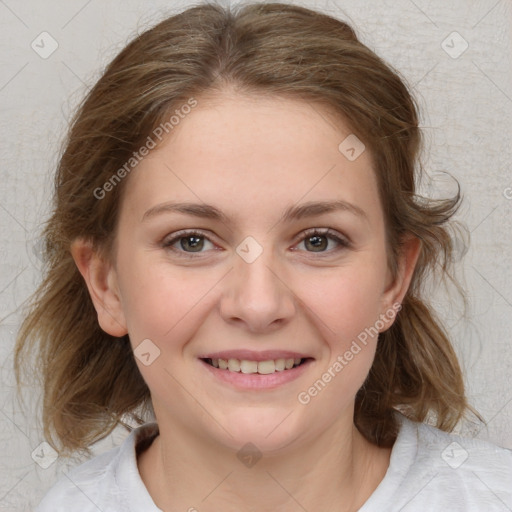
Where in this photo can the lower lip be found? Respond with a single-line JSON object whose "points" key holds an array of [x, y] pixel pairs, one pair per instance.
{"points": [[247, 381]]}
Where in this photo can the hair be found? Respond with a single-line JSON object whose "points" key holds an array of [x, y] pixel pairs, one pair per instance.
{"points": [[90, 380]]}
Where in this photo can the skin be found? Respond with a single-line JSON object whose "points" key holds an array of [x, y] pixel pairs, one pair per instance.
{"points": [[251, 157]]}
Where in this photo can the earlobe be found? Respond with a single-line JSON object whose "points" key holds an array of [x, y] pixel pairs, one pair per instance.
{"points": [[101, 280], [396, 290]]}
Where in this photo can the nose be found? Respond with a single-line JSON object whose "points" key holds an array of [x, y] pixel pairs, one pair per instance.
{"points": [[256, 296]]}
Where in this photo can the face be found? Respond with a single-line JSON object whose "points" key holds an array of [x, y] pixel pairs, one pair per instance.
{"points": [[251, 268]]}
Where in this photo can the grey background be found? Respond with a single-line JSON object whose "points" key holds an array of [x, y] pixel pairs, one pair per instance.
{"points": [[466, 107]]}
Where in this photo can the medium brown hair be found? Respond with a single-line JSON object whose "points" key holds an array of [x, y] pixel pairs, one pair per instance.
{"points": [[90, 379]]}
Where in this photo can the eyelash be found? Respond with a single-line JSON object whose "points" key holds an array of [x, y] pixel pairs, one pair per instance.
{"points": [[343, 243]]}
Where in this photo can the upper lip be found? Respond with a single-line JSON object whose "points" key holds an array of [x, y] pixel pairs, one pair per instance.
{"points": [[251, 355]]}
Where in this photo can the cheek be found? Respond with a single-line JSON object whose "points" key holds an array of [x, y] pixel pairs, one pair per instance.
{"points": [[345, 300], [166, 306], [163, 302], [346, 306]]}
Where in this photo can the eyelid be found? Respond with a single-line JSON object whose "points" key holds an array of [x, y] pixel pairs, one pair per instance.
{"points": [[299, 238], [331, 233], [169, 240], [182, 233], [342, 240]]}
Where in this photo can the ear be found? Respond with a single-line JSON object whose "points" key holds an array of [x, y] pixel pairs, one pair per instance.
{"points": [[397, 287], [101, 280]]}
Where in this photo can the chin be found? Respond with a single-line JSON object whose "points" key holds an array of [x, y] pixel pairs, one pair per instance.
{"points": [[269, 431]]}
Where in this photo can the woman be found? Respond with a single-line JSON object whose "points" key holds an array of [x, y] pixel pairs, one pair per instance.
{"points": [[236, 257]]}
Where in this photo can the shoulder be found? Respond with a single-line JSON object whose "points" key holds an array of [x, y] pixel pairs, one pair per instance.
{"points": [[82, 488], [98, 484], [436, 470], [457, 457]]}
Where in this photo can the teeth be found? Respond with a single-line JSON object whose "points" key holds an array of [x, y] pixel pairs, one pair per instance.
{"points": [[233, 365], [265, 367], [248, 366], [280, 364], [261, 367]]}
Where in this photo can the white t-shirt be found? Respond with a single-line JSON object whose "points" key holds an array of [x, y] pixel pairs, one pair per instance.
{"points": [[429, 470]]}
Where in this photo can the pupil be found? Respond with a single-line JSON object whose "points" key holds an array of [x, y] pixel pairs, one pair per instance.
{"points": [[192, 242], [317, 241]]}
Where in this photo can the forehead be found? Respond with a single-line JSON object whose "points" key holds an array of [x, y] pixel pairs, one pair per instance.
{"points": [[251, 154]]}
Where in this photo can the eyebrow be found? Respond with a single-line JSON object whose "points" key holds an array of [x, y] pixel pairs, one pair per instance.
{"points": [[313, 209], [295, 212], [201, 210]]}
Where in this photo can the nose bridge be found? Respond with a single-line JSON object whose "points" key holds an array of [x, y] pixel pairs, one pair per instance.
{"points": [[257, 294]]}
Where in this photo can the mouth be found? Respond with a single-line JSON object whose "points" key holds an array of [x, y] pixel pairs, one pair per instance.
{"points": [[247, 370], [263, 367]]}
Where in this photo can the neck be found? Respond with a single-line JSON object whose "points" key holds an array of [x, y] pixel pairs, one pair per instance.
{"points": [[337, 471]]}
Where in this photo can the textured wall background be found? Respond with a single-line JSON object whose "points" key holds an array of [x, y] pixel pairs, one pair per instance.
{"points": [[455, 55]]}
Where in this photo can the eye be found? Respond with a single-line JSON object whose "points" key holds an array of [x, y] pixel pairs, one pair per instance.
{"points": [[190, 242], [187, 242], [317, 239]]}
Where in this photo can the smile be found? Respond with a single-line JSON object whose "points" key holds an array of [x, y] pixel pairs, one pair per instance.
{"points": [[250, 367], [250, 375]]}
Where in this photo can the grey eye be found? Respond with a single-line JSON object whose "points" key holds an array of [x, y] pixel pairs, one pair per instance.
{"points": [[317, 242], [192, 243]]}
